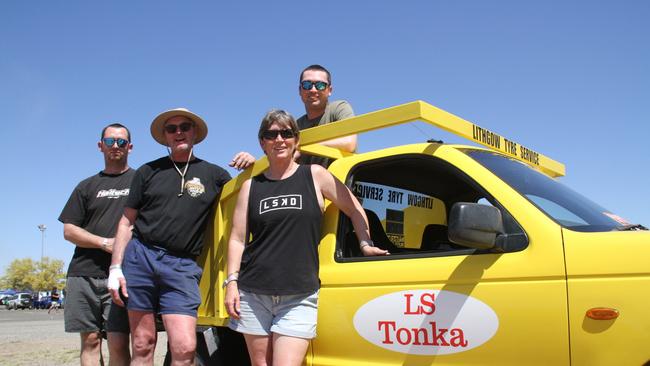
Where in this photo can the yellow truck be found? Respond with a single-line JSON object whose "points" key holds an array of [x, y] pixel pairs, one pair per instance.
{"points": [[493, 261]]}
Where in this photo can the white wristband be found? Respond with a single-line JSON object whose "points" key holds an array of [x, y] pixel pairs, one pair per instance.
{"points": [[114, 278]]}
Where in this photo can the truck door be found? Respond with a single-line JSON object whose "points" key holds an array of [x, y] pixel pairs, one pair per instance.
{"points": [[431, 301], [609, 270]]}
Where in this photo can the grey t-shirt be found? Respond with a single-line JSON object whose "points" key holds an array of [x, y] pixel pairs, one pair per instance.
{"points": [[334, 111]]}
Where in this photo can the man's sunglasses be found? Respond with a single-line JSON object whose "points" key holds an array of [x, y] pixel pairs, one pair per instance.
{"points": [[273, 134], [185, 126], [110, 141], [307, 85]]}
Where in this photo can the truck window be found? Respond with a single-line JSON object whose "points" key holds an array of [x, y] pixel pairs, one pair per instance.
{"points": [[563, 205], [407, 200]]}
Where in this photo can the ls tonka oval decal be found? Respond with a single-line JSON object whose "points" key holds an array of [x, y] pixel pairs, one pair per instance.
{"points": [[426, 322]]}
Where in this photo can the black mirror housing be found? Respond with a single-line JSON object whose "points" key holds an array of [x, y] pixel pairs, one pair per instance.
{"points": [[474, 225]]}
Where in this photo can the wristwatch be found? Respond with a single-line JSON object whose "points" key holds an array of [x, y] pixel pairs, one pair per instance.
{"points": [[105, 243], [231, 277]]}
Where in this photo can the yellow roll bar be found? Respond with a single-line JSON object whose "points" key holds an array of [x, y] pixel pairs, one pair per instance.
{"points": [[409, 112], [212, 310], [422, 111]]}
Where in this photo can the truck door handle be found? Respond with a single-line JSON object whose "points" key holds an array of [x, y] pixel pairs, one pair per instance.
{"points": [[602, 313]]}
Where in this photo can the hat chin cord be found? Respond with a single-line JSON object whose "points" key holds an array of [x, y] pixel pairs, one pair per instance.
{"points": [[182, 174]]}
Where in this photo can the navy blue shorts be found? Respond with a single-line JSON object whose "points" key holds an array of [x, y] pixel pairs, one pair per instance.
{"points": [[160, 282]]}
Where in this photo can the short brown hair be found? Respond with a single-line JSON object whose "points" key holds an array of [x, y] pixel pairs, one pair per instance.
{"points": [[317, 67], [282, 118], [117, 125]]}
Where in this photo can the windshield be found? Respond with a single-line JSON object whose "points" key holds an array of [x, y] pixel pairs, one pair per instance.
{"points": [[562, 204]]}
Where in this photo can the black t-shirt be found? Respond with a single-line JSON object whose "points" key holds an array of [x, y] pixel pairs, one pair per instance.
{"points": [[96, 205], [176, 223], [284, 219]]}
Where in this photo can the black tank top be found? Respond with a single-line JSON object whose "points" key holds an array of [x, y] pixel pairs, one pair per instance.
{"points": [[284, 219]]}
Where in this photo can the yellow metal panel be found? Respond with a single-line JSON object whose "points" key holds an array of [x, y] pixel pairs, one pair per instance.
{"points": [[492, 140], [362, 123], [213, 262], [527, 289], [322, 150], [532, 279], [609, 270], [404, 113], [232, 187], [207, 261], [437, 117]]}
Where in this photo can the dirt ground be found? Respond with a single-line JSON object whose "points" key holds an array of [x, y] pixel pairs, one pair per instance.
{"points": [[32, 337]]}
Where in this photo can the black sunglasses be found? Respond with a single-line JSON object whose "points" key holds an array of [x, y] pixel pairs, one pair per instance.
{"points": [[185, 126], [273, 134], [307, 85], [110, 141]]}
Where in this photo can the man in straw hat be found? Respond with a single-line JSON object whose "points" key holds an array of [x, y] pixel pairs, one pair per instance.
{"points": [[168, 208]]}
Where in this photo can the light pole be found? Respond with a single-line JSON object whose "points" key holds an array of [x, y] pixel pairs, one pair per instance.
{"points": [[42, 228]]}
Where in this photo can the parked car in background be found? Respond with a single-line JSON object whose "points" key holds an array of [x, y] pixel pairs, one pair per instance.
{"points": [[5, 295], [20, 301], [43, 300], [4, 299], [7, 299]]}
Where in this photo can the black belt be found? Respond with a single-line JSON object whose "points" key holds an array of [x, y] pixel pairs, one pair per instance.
{"points": [[167, 251]]}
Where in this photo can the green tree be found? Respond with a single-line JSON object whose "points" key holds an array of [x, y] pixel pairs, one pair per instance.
{"points": [[49, 275], [27, 274], [19, 274]]}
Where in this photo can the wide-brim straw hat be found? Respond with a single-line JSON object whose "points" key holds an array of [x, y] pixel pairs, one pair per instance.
{"points": [[158, 124]]}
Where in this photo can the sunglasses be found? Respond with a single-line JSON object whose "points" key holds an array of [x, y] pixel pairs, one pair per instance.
{"points": [[307, 85], [184, 127], [273, 134], [110, 141]]}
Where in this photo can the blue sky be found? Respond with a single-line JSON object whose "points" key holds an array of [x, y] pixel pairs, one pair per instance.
{"points": [[570, 79]]}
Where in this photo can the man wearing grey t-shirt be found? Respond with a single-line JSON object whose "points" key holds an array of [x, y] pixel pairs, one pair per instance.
{"points": [[315, 89]]}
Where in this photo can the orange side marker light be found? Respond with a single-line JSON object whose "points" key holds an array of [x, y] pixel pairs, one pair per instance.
{"points": [[602, 313]]}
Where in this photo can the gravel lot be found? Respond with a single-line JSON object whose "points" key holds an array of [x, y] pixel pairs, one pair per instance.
{"points": [[32, 337]]}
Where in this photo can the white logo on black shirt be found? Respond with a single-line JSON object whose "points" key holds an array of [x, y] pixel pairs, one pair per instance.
{"points": [[113, 193], [194, 187], [286, 202]]}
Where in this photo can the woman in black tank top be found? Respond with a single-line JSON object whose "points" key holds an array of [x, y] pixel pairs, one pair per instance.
{"points": [[281, 209]]}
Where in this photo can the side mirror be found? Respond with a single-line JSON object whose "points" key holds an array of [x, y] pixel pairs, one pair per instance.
{"points": [[474, 225]]}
